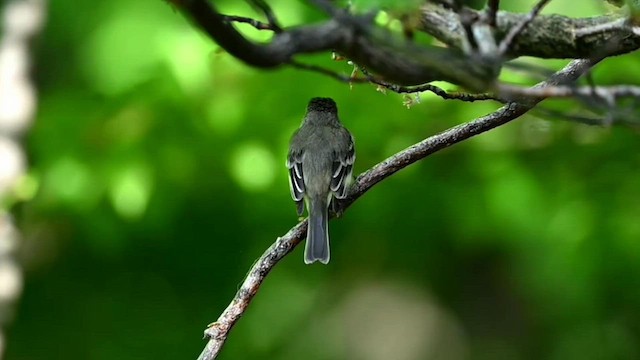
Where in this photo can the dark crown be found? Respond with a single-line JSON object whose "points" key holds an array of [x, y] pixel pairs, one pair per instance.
{"points": [[323, 105]]}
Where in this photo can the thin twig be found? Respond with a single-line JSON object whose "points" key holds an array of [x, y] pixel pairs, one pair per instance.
{"points": [[328, 72], [614, 25], [427, 87], [516, 30], [534, 71], [505, 92], [218, 332], [550, 114], [253, 22], [447, 95], [563, 91], [625, 118], [268, 13], [492, 13]]}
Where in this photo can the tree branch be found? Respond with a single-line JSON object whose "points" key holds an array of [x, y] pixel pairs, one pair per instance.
{"points": [[218, 332], [405, 63], [492, 11], [268, 13], [354, 36], [592, 92], [517, 30], [547, 36], [259, 25]]}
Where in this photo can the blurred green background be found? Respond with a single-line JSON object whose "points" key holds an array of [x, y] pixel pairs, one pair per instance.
{"points": [[159, 167]]}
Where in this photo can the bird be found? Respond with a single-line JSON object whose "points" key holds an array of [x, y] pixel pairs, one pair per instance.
{"points": [[320, 164]]}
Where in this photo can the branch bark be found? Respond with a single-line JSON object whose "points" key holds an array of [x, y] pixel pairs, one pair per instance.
{"points": [[547, 36], [406, 63], [218, 332], [353, 36]]}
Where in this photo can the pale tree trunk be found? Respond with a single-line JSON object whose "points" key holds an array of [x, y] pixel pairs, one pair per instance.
{"points": [[21, 20]]}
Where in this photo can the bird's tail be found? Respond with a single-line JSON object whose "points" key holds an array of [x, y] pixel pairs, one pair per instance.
{"points": [[317, 246]]}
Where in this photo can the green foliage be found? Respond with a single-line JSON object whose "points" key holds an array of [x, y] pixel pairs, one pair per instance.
{"points": [[159, 168]]}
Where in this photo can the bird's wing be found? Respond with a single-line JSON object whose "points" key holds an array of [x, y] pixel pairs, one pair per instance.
{"points": [[343, 170], [296, 182]]}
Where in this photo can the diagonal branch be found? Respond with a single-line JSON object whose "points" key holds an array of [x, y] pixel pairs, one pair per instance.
{"points": [[218, 332]]}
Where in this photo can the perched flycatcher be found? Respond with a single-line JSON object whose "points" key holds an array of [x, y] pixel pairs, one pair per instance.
{"points": [[320, 163]]}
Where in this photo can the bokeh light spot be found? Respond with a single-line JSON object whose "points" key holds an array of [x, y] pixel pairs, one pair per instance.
{"points": [[225, 112], [120, 54], [130, 191], [187, 52], [69, 180], [253, 167]]}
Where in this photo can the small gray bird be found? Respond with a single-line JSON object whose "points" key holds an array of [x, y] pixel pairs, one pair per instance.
{"points": [[320, 163]]}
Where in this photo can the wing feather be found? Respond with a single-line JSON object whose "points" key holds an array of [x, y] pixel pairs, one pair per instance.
{"points": [[343, 170], [296, 182]]}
